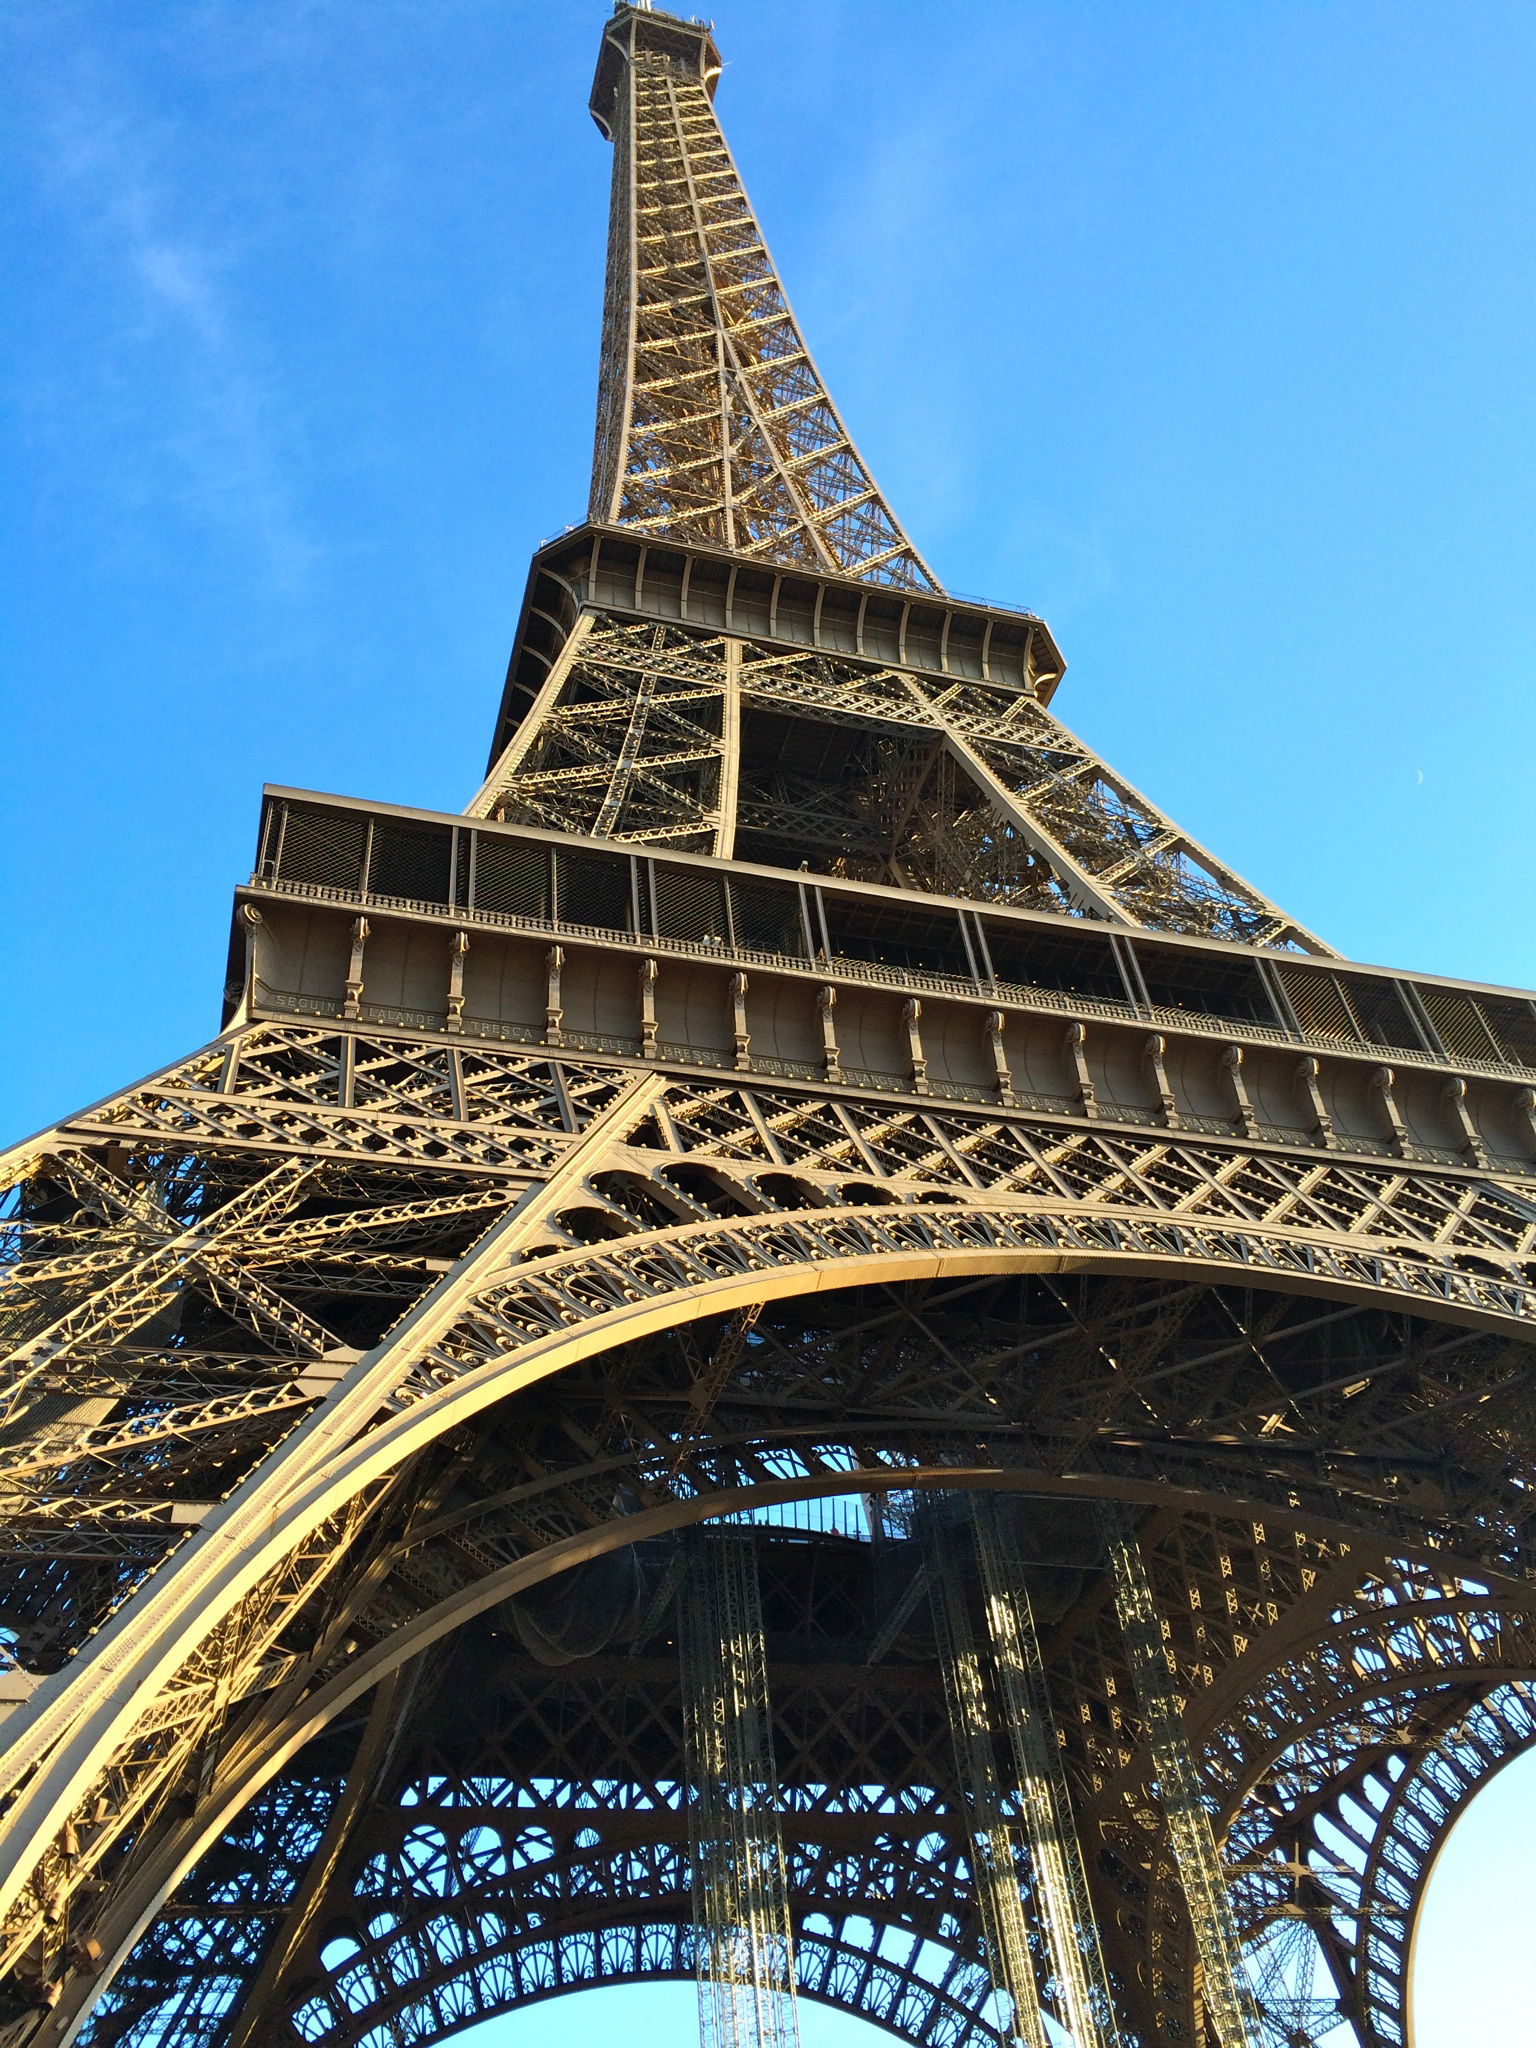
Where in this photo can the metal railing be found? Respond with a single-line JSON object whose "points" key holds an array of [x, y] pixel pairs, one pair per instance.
{"points": [[908, 980]]}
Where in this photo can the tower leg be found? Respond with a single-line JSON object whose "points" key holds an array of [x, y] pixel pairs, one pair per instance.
{"points": [[745, 1947], [992, 1840], [1234, 2021], [1056, 1856]]}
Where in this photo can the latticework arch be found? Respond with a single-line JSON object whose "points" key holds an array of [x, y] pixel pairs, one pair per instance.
{"points": [[812, 1124]]}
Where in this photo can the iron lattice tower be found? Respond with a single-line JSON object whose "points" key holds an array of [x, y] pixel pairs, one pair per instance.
{"points": [[808, 1329]]}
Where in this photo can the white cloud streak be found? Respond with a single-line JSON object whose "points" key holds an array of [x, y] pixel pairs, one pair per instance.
{"points": [[208, 411]]}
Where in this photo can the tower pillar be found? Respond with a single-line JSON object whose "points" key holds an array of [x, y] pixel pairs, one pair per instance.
{"points": [[744, 1944], [1229, 2004], [1056, 1855]]}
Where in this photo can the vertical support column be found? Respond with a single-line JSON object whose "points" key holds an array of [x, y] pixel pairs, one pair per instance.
{"points": [[826, 1004], [621, 776], [352, 1002], [994, 1037], [991, 1840], [741, 1039], [730, 755], [458, 946], [648, 1046], [911, 1017], [1234, 2020], [1061, 1880], [554, 962], [251, 922], [745, 1948]]}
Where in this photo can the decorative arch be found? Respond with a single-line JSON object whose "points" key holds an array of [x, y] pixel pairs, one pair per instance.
{"points": [[658, 1215], [506, 1323]]}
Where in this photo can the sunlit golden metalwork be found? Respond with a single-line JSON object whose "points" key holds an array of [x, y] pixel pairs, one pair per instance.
{"points": [[807, 1328]]}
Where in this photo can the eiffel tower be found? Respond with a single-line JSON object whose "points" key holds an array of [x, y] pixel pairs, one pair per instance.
{"points": [[807, 1350]]}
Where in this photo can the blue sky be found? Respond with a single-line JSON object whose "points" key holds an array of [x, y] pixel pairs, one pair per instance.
{"points": [[1205, 330]]}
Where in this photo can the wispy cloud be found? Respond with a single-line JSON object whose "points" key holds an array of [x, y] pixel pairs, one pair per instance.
{"points": [[209, 406]]}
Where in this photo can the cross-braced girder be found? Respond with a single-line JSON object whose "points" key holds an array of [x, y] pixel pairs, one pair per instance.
{"points": [[633, 1188], [715, 433], [713, 422], [771, 1105], [536, 1836], [666, 735]]}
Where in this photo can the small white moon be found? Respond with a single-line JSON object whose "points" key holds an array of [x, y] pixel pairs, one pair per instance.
{"points": [[1418, 777]]}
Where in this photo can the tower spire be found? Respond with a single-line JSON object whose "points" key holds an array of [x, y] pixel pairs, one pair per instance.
{"points": [[713, 423], [808, 1084]]}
